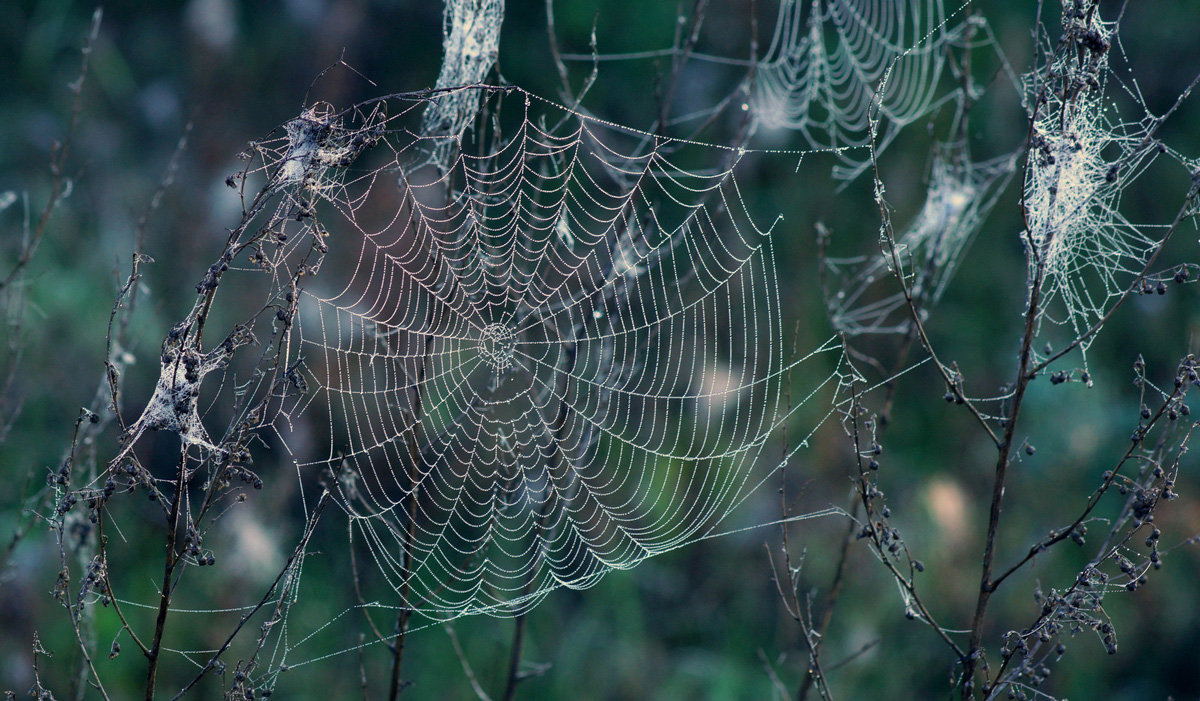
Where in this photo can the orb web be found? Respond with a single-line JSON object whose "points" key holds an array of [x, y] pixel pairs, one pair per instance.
{"points": [[833, 65], [555, 356]]}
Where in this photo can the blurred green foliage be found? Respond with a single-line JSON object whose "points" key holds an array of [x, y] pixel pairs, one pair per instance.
{"points": [[702, 622]]}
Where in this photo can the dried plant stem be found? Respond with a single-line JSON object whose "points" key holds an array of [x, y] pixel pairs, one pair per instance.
{"points": [[309, 528], [816, 675], [514, 659], [986, 585], [875, 537], [170, 560]]}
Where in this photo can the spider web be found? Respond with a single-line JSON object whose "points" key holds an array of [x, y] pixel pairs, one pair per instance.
{"points": [[1083, 156], [958, 199], [556, 356], [470, 45], [829, 73]]}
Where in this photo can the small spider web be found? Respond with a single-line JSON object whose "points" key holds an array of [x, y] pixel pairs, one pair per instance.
{"points": [[959, 196], [1083, 156]]}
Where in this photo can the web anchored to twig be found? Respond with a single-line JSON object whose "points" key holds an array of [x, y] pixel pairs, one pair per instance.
{"points": [[555, 355]]}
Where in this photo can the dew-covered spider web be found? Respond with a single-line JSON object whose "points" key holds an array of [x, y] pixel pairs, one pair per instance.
{"points": [[834, 65], [471, 30], [1083, 155], [862, 295], [555, 355]]}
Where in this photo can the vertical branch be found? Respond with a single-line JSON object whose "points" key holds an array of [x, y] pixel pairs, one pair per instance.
{"points": [[812, 634], [514, 659], [877, 532], [815, 633], [1038, 252], [986, 585], [170, 559]]}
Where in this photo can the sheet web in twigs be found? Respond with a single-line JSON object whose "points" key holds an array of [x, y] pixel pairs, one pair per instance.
{"points": [[832, 62], [1083, 155], [470, 46], [862, 294], [556, 357]]}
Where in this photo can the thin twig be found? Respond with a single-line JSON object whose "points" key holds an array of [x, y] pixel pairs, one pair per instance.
{"points": [[301, 547], [875, 537], [466, 666], [170, 560]]}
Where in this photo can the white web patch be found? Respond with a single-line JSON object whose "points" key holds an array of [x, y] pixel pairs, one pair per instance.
{"points": [[470, 46], [1082, 157], [555, 357], [959, 196]]}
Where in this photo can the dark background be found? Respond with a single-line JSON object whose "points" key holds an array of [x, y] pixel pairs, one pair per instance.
{"points": [[702, 622]]}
